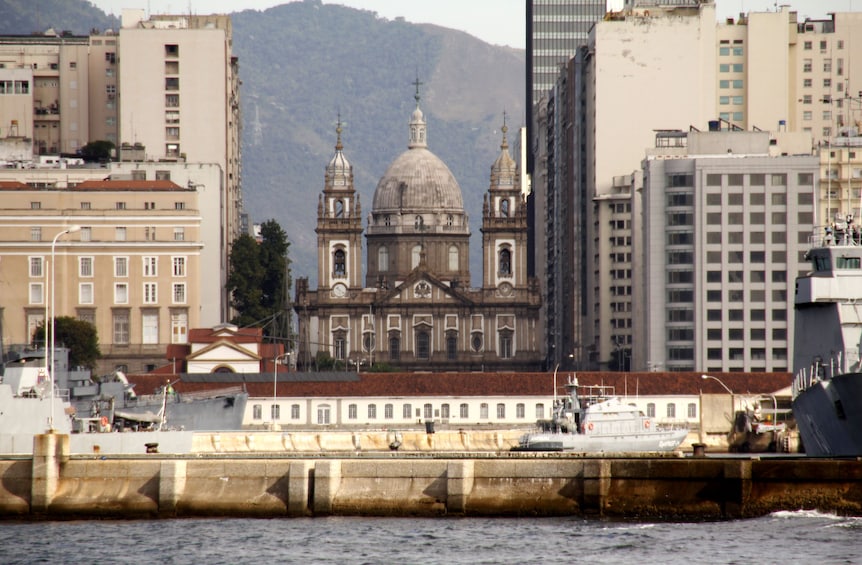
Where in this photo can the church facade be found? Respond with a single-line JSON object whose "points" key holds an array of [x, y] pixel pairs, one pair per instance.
{"points": [[415, 309]]}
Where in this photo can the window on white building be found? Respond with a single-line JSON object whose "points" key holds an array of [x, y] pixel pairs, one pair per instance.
{"points": [[179, 293], [121, 327], [179, 327], [37, 295], [85, 266], [150, 265], [121, 266], [150, 327], [36, 264], [179, 264], [121, 293], [85, 293]]}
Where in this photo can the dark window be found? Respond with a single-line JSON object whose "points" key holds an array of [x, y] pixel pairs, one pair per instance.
{"points": [[505, 262], [394, 347], [423, 345], [339, 265]]}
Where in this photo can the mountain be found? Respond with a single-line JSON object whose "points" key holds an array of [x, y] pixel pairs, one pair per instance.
{"points": [[304, 64], [25, 17]]}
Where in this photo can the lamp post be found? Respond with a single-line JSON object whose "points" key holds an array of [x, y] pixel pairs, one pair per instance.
{"points": [[727, 388], [704, 377], [275, 382], [49, 322], [569, 356]]}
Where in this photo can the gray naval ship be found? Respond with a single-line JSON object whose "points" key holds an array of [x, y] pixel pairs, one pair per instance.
{"points": [[827, 386], [599, 422], [91, 410]]}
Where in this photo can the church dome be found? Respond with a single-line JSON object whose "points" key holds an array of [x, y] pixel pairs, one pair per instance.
{"points": [[418, 180]]}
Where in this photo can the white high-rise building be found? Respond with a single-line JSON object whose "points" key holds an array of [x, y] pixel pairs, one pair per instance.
{"points": [[722, 228]]}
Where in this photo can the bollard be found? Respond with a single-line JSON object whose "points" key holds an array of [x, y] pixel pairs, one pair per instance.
{"points": [[699, 449]]}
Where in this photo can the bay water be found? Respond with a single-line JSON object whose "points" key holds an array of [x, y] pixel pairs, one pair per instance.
{"points": [[782, 537]]}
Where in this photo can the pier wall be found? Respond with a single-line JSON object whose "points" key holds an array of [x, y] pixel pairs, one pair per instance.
{"points": [[53, 484]]}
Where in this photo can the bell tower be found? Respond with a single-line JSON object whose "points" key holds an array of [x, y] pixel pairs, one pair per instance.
{"points": [[339, 228], [504, 226]]}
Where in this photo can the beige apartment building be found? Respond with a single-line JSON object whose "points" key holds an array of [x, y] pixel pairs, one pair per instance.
{"points": [[132, 268], [172, 109], [45, 91], [179, 98]]}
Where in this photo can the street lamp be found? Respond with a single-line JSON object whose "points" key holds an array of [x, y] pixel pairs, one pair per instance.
{"points": [[50, 353], [275, 382], [569, 356], [704, 377], [727, 388]]}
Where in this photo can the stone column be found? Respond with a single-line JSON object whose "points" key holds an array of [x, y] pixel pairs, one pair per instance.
{"points": [[597, 482], [50, 450], [459, 485], [327, 480], [172, 485], [737, 487], [299, 477]]}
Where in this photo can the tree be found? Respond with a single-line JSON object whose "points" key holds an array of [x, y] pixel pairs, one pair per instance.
{"points": [[79, 336], [276, 281], [97, 151], [259, 281], [245, 282]]}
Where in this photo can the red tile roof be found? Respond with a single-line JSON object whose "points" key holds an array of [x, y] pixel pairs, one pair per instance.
{"points": [[238, 335], [120, 185], [470, 384], [14, 185]]}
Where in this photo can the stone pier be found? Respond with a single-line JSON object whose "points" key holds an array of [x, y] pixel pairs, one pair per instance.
{"points": [[53, 484]]}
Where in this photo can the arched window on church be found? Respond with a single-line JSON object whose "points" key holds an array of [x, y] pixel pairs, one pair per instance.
{"points": [[505, 262], [339, 343], [339, 208], [418, 222], [504, 208], [450, 220], [453, 258], [383, 258], [452, 346], [414, 256], [506, 349], [387, 220], [394, 346], [339, 263], [423, 344]]}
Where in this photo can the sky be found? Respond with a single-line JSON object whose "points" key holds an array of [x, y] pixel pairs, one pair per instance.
{"points": [[500, 22]]}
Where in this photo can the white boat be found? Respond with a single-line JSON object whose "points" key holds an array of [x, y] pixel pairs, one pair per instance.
{"points": [[599, 422], [827, 386]]}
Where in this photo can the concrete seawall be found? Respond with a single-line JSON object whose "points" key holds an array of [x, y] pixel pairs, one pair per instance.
{"points": [[54, 484]]}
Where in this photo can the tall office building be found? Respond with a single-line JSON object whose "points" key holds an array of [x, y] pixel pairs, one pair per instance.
{"points": [[556, 30], [686, 70], [723, 224]]}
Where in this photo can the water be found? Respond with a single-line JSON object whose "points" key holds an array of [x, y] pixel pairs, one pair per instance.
{"points": [[783, 537]]}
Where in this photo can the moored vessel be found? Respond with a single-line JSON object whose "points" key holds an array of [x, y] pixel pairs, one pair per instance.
{"points": [[827, 387], [594, 420]]}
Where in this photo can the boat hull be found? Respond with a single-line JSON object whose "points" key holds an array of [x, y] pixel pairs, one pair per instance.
{"points": [[829, 416], [219, 413], [658, 441]]}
